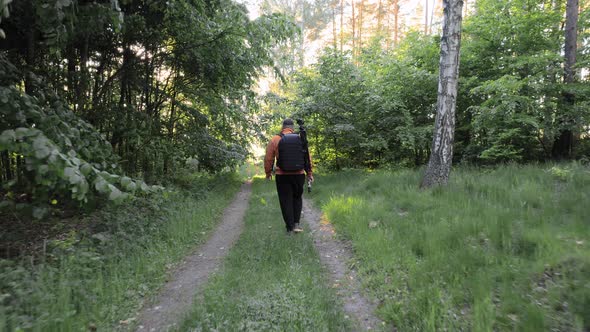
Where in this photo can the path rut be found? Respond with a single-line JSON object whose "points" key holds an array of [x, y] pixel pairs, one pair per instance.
{"points": [[177, 295], [335, 254]]}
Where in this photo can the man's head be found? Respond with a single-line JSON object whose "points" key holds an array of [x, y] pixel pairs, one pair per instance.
{"points": [[288, 123]]}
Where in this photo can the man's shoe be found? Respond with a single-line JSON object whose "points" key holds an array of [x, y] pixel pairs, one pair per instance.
{"points": [[297, 230]]}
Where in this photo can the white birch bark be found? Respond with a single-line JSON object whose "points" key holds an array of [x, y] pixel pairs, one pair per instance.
{"points": [[441, 157]]}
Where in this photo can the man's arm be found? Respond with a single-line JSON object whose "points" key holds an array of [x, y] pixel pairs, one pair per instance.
{"points": [[269, 159], [310, 171]]}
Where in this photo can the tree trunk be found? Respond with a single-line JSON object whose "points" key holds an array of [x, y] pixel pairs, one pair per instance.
{"points": [[465, 7], [353, 30], [441, 157], [6, 166], [426, 17], [30, 58], [361, 10], [72, 82], [334, 34], [341, 24], [562, 147], [387, 25], [82, 84], [432, 17], [124, 105], [379, 17], [302, 50], [395, 21], [171, 125]]}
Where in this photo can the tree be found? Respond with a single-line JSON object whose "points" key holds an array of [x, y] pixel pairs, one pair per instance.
{"points": [[562, 147], [441, 157], [89, 96], [395, 21]]}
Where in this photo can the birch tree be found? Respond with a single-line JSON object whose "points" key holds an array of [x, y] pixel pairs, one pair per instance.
{"points": [[441, 157]]}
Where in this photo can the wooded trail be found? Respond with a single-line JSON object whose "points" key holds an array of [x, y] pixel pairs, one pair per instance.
{"points": [[335, 256], [176, 297]]}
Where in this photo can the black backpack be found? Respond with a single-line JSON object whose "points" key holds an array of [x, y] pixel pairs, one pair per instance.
{"points": [[291, 153]]}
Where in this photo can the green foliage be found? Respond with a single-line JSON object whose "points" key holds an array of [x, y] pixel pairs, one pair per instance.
{"points": [[506, 123], [99, 273], [500, 249], [366, 115], [107, 88], [377, 107], [65, 157], [560, 173]]}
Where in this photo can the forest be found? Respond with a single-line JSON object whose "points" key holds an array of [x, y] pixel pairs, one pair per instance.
{"points": [[128, 122], [97, 95]]}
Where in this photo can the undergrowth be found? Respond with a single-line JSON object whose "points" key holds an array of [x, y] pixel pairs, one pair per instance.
{"points": [[497, 249], [98, 276]]}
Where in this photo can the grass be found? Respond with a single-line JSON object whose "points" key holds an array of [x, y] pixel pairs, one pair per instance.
{"points": [[270, 281], [497, 249], [98, 280]]}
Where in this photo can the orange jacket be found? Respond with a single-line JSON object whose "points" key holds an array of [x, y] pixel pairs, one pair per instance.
{"points": [[272, 153]]}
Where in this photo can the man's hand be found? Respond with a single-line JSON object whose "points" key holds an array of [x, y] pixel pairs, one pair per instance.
{"points": [[310, 177], [268, 177]]}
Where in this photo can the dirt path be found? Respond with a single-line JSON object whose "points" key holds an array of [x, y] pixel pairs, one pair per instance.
{"points": [[335, 255], [177, 295]]}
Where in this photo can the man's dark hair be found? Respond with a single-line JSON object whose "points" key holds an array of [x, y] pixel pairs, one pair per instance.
{"points": [[288, 122]]}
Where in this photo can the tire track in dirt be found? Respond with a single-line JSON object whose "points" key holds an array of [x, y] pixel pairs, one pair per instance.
{"points": [[176, 297], [335, 255]]}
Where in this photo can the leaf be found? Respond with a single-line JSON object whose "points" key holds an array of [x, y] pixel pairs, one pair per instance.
{"points": [[144, 187], [85, 169], [40, 145], [101, 185], [6, 138], [69, 171], [83, 185], [73, 176], [116, 194], [22, 132], [131, 187], [125, 181]]}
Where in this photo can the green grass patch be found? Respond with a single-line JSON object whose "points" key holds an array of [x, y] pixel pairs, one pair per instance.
{"points": [[270, 282], [497, 249], [95, 278]]}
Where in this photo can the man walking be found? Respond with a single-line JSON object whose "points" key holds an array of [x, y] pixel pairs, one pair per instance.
{"points": [[293, 162]]}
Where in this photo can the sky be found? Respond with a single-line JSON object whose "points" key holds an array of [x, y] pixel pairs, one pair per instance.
{"points": [[411, 14]]}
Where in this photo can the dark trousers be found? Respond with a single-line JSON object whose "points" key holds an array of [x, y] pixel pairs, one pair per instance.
{"points": [[290, 190]]}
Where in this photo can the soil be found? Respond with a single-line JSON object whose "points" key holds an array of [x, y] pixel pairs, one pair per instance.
{"points": [[335, 254], [176, 296]]}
